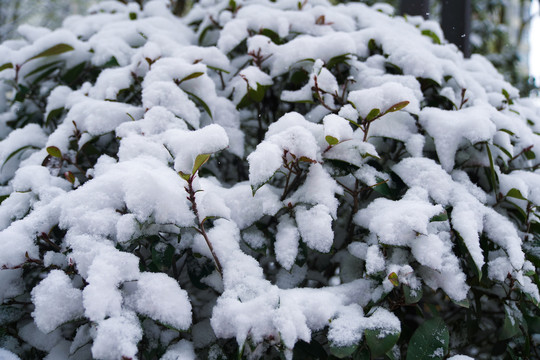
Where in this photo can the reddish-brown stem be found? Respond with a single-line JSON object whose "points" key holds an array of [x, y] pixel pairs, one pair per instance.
{"points": [[200, 223]]}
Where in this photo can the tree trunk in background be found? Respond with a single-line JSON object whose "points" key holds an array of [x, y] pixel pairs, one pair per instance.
{"points": [[414, 7], [456, 23]]}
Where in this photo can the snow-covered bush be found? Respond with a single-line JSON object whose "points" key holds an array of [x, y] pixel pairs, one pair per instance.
{"points": [[262, 179]]}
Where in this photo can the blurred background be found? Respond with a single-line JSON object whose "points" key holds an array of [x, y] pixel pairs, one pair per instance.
{"points": [[507, 32]]}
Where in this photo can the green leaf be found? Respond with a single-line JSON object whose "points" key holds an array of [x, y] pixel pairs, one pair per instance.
{"points": [[510, 326], [16, 152], [168, 256], [383, 188], [69, 177], [73, 74], [218, 69], [342, 351], [258, 94], [6, 66], [272, 35], [432, 35], [515, 193], [507, 131], [530, 155], [184, 176], [340, 59], [412, 296], [41, 68], [429, 341], [200, 160], [3, 197], [394, 279], [440, 217], [311, 350], [53, 114], [54, 151], [380, 342], [397, 107], [55, 50], [190, 76], [362, 355], [331, 140], [132, 16], [372, 114], [463, 303], [200, 102], [494, 178], [506, 152], [299, 77]]}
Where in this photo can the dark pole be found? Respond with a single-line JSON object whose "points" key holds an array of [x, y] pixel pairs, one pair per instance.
{"points": [[456, 23], [414, 7]]}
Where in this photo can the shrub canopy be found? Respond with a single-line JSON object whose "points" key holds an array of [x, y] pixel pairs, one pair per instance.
{"points": [[263, 178]]}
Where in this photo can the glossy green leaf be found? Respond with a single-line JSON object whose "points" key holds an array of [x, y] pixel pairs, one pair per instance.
{"points": [[73, 74], [506, 152], [54, 151], [440, 217], [217, 69], [373, 114], [184, 176], [412, 296], [530, 155], [515, 193], [493, 178], [383, 188], [380, 342], [429, 341], [200, 102], [510, 326], [393, 277], [42, 68], [432, 35], [463, 303], [190, 76], [200, 160], [340, 59], [53, 114], [272, 35], [55, 50], [342, 351], [6, 66], [331, 140], [17, 152], [68, 175], [507, 131], [257, 95], [397, 107]]}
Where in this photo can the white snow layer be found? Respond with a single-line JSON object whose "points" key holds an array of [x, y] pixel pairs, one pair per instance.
{"points": [[185, 106]]}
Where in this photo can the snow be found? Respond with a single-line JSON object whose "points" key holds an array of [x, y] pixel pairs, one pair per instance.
{"points": [[117, 337], [449, 129], [399, 222], [16, 147], [56, 289], [310, 170], [181, 350], [161, 298], [383, 97], [286, 246], [8, 355], [315, 226]]}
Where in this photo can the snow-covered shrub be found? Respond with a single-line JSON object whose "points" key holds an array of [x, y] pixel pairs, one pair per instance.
{"points": [[262, 179]]}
